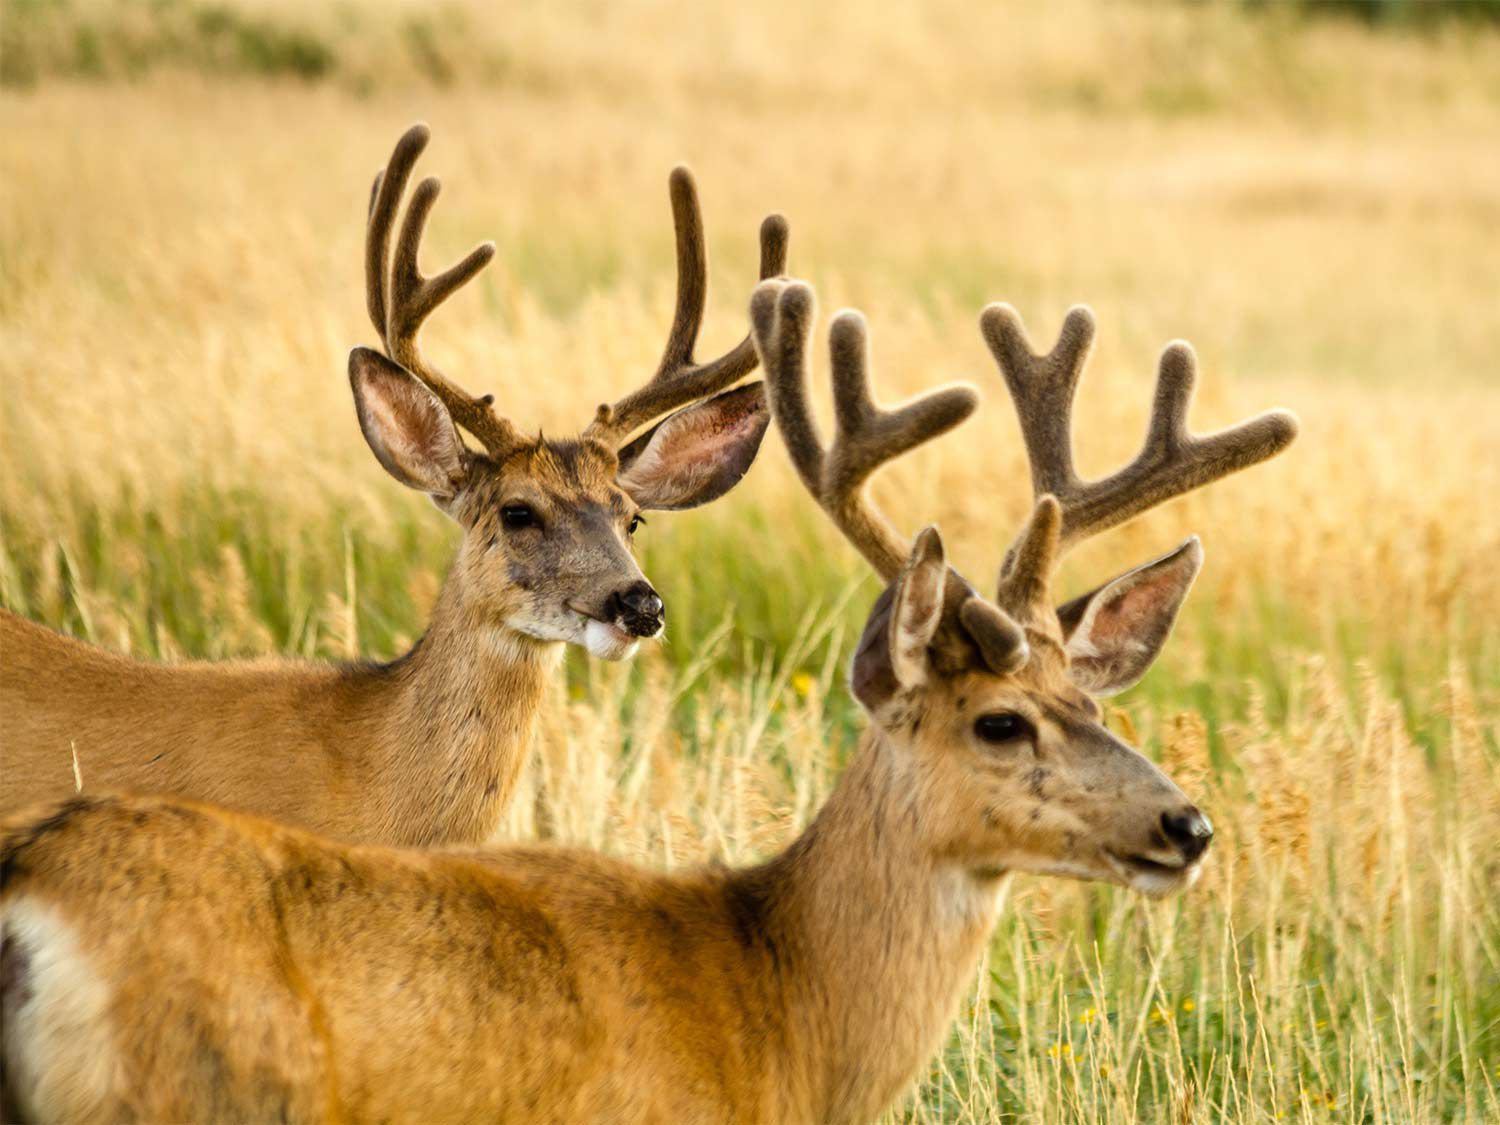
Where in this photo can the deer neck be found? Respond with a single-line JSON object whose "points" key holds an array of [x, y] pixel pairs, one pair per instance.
{"points": [[460, 710], [884, 937]]}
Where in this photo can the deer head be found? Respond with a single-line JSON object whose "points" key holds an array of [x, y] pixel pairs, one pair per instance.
{"points": [[548, 523], [991, 701]]}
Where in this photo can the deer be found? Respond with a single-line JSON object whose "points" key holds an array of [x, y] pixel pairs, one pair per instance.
{"points": [[428, 748], [165, 959]]}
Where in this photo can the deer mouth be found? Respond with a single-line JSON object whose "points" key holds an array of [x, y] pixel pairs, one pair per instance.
{"points": [[604, 639], [1151, 876], [1148, 865], [588, 618]]}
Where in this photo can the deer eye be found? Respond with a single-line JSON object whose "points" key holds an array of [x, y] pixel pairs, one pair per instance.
{"points": [[517, 516], [636, 523], [1003, 726]]}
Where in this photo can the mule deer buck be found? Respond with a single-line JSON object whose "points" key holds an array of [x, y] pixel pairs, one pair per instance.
{"points": [[426, 749], [169, 960]]}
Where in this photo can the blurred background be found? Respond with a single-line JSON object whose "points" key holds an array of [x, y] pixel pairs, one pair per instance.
{"points": [[1309, 193]]}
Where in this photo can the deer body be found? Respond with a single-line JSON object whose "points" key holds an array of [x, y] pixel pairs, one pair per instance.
{"points": [[425, 750], [552, 985]]}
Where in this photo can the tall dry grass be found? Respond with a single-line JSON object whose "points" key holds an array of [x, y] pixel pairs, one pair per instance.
{"points": [[180, 472]]}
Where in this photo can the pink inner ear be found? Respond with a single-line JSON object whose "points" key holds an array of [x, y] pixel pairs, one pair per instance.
{"points": [[924, 598], [410, 421], [1125, 617], [429, 433], [409, 431], [919, 605], [698, 453], [698, 449], [1126, 622]]}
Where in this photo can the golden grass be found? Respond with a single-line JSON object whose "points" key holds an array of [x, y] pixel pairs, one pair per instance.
{"points": [[180, 472]]}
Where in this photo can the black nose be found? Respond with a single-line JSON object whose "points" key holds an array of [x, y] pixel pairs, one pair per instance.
{"points": [[640, 609], [1189, 830]]}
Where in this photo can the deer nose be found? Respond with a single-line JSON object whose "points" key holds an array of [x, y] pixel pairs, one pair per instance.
{"points": [[640, 609], [1188, 830]]}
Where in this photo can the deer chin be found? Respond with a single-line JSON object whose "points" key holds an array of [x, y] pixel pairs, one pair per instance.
{"points": [[608, 642], [1149, 877], [603, 639]]}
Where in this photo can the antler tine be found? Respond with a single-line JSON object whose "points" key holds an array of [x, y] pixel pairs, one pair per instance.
{"points": [[400, 298], [414, 297], [1042, 388], [1026, 574], [679, 379], [866, 436], [692, 271], [1172, 461], [781, 316]]}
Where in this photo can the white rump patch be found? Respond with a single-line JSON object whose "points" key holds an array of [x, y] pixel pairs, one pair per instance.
{"points": [[59, 1054]]}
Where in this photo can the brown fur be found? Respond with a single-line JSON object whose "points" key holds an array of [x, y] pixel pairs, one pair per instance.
{"points": [[425, 750], [420, 751], [228, 967]]}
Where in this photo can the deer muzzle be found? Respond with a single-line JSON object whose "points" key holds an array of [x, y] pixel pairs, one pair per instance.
{"points": [[638, 609]]}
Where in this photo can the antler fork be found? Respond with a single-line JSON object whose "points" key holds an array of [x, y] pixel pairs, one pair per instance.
{"points": [[865, 437], [1172, 461], [680, 379], [1066, 509], [400, 298]]}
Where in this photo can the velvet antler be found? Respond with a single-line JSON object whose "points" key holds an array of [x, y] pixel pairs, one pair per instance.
{"points": [[679, 378]]}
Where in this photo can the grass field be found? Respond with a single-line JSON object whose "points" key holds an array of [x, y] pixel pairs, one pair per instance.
{"points": [[1308, 201]]}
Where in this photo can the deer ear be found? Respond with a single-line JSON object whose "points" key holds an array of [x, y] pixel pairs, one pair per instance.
{"points": [[407, 428], [892, 653], [697, 454], [1115, 632], [917, 609]]}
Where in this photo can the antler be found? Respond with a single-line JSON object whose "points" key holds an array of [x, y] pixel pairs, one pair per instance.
{"points": [[866, 437], [1172, 461], [1066, 509], [679, 379], [401, 299]]}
